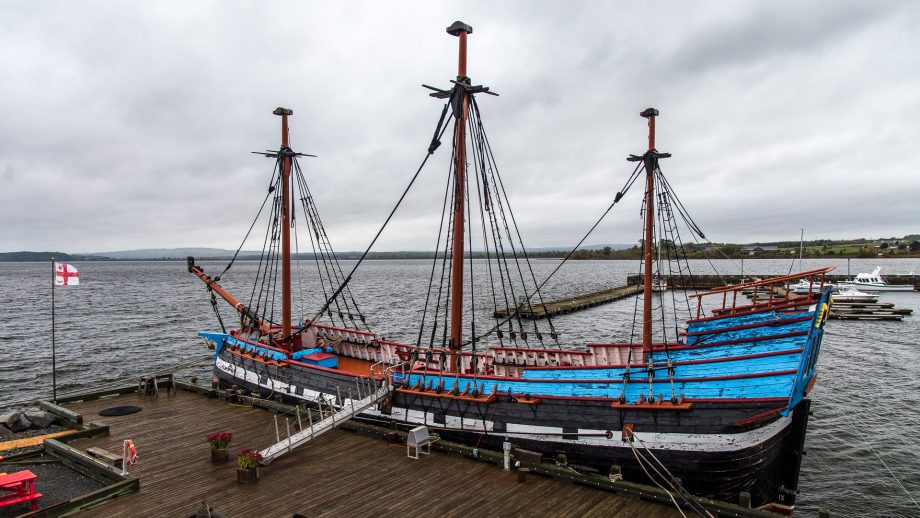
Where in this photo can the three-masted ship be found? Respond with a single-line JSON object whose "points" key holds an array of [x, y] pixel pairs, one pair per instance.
{"points": [[713, 406]]}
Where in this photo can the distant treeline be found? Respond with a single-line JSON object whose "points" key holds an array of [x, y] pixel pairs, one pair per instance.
{"points": [[32, 257], [907, 246], [60, 256]]}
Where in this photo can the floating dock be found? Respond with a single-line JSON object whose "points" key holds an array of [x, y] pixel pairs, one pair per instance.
{"points": [[341, 473], [571, 304], [846, 310], [867, 311], [715, 281]]}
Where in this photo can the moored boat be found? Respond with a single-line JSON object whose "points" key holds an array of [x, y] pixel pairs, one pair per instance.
{"points": [[718, 408], [848, 294], [808, 286], [873, 282]]}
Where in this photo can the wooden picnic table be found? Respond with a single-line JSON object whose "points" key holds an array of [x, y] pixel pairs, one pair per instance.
{"points": [[19, 487]]}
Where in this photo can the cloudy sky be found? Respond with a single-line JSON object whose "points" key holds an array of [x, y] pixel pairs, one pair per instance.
{"points": [[129, 124]]}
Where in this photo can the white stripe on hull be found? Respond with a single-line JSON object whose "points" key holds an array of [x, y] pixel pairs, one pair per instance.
{"points": [[597, 438]]}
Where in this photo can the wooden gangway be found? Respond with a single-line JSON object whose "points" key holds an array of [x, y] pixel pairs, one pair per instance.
{"points": [[570, 304], [334, 417]]}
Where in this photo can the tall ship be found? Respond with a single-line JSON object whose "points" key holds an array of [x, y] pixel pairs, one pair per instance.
{"points": [[708, 396]]}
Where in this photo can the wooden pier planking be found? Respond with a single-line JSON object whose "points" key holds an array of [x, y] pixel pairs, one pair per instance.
{"points": [[341, 473], [571, 304]]}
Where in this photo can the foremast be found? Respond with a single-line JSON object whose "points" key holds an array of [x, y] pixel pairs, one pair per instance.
{"points": [[287, 339]]}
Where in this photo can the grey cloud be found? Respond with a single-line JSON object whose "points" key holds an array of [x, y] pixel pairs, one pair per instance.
{"points": [[134, 121]]}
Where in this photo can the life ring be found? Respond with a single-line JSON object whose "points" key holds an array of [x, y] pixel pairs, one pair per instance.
{"points": [[129, 453]]}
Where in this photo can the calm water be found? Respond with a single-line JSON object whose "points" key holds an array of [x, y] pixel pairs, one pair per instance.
{"points": [[128, 318]]}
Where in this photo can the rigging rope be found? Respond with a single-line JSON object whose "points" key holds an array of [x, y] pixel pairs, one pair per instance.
{"points": [[616, 200], [430, 151], [270, 189], [879, 457], [503, 195]]}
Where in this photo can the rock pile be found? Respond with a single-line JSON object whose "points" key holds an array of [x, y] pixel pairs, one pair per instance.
{"points": [[33, 418]]}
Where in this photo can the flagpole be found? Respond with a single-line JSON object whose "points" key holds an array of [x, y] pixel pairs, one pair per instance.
{"points": [[53, 356]]}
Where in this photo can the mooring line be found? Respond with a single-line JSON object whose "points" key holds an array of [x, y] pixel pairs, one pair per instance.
{"points": [[884, 464]]}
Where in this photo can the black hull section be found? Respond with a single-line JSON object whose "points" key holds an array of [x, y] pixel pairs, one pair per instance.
{"points": [[767, 469]]}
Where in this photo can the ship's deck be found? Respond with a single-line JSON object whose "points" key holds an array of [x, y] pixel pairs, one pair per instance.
{"points": [[339, 474]]}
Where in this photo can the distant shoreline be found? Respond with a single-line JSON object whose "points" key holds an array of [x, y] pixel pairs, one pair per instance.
{"points": [[383, 257], [907, 247]]}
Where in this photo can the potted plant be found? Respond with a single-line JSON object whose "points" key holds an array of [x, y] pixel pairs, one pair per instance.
{"points": [[219, 442], [247, 464]]}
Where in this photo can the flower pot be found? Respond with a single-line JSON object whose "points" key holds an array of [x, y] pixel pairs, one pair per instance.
{"points": [[219, 455], [247, 475]]}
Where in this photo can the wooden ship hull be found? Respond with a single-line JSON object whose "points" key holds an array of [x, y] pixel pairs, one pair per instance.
{"points": [[739, 424]]}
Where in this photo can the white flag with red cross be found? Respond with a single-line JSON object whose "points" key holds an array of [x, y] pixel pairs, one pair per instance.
{"points": [[65, 275]]}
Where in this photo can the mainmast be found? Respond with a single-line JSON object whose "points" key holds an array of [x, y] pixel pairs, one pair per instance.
{"points": [[287, 158], [460, 30]]}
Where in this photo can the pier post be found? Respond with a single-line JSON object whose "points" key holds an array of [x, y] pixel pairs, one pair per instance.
{"points": [[287, 424], [744, 499], [824, 512]]}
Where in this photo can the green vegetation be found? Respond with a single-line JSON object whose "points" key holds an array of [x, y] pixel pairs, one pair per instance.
{"points": [[907, 246]]}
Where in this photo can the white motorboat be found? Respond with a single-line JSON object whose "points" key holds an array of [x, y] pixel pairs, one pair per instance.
{"points": [[848, 294], [659, 285], [804, 286], [874, 282]]}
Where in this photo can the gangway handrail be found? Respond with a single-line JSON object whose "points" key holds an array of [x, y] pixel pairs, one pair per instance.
{"points": [[337, 417]]}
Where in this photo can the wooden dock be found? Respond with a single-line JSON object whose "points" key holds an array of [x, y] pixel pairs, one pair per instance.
{"points": [[339, 474], [867, 311], [571, 304], [845, 310], [715, 281]]}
